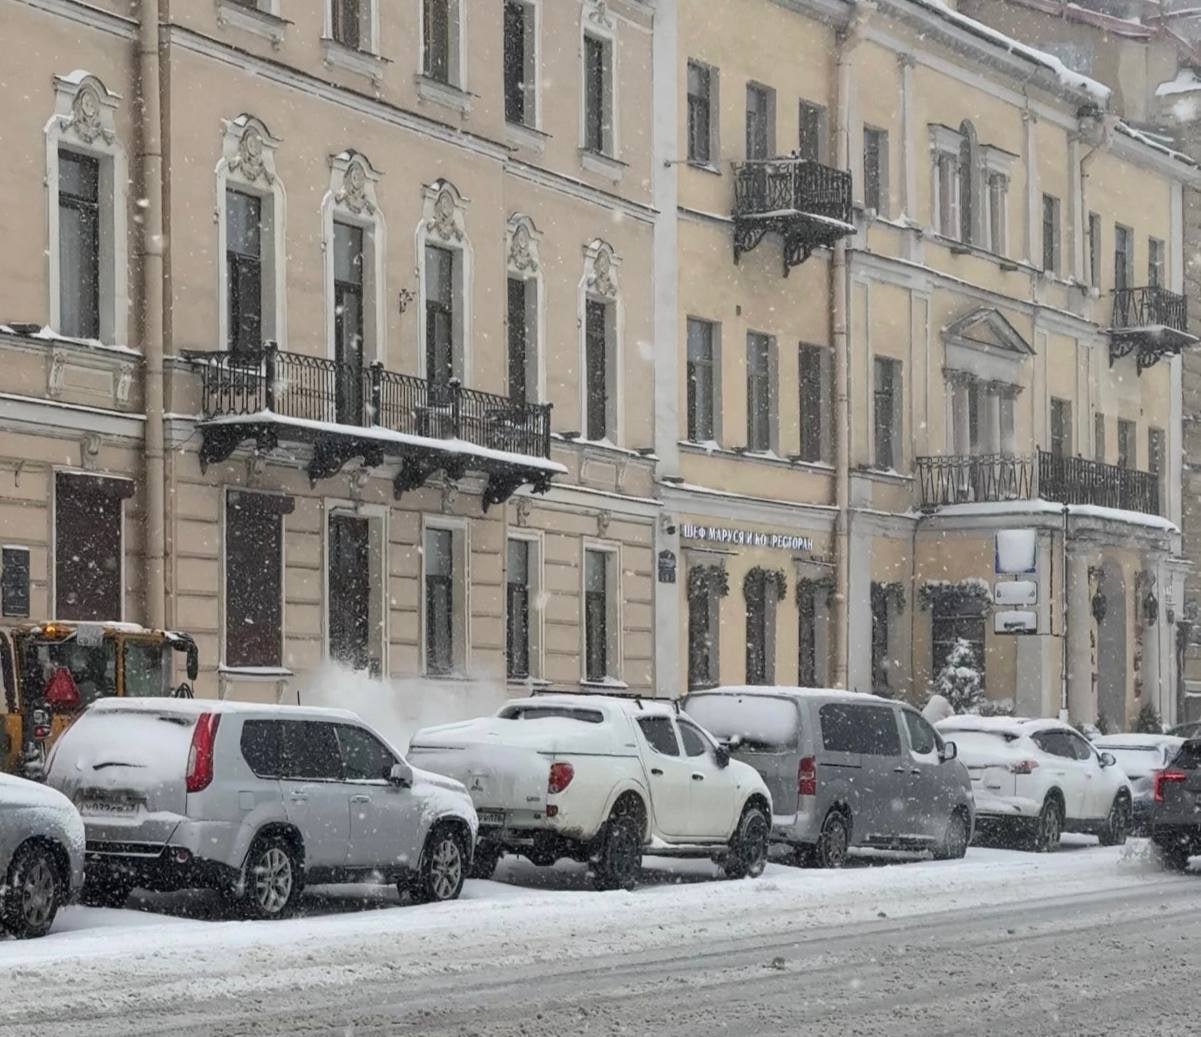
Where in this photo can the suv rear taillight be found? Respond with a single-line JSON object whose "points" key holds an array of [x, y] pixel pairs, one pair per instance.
{"points": [[806, 776], [560, 777], [1163, 777], [200, 753], [1023, 767]]}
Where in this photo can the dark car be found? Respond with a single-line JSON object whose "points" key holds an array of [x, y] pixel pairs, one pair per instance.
{"points": [[1141, 756], [1176, 818]]}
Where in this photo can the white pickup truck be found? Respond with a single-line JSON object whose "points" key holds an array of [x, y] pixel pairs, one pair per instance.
{"points": [[601, 780]]}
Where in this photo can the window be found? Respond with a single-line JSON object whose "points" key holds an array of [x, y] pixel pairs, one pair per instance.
{"points": [[811, 141], [438, 44], [875, 170], [310, 751], [1061, 427], [1123, 257], [598, 95], [1079, 747], [89, 546], [922, 739], [887, 393], [145, 674], [346, 23], [974, 405], [956, 616], [998, 212], [700, 112], [244, 270], [761, 599], [1155, 457], [350, 591], [348, 322], [600, 630], [79, 244], [1127, 444], [1055, 743], [1050, 234], [695, 743], [517, 609], [1155, 263], [946, 168], [659, 735], [439, 556], [364, 757], [262, 748], [813, 376], [1094, 249], [760, 122], [1005, 404], [254, 536], [863, 730], [704, 624], [879, 604], [1099, 437], [758, 392], [702, 408], [522, 332], [599, 372], [969, 177], [14, 582], [520, 63], [813, 610], [439, 314]]}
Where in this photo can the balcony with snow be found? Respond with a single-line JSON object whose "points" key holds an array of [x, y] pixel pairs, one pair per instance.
{"points": [[807, 203], [996, 478], [1150, 322], [348, 411]]}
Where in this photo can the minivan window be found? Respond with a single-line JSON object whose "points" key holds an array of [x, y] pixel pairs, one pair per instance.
{"points": [[866, 730], [260, 747], [364, 757], [658, 732], [311, 751], [694, 741], [922, 738]]}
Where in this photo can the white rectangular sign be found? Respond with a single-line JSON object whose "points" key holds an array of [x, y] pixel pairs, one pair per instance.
{"points": [[1015, 621], [1016, 592], [1017, 551]]}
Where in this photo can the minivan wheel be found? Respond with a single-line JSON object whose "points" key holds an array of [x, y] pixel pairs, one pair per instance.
{"points": [[748, 848], [834, 842], [32, 897], [954, 843], [1048, 828], [271, 879], [617, 861], [443, 867], [1117, 824]]}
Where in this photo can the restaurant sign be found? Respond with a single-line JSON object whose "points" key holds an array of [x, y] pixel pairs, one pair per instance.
{"points": [[745, 537]]}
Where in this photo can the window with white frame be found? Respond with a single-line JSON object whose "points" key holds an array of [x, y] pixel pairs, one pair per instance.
{"points": [[1061, 427], [875, 170], [969, 170], [707, 585], [1123, 258], [601, 616], [441, 31], [1051, 234], [760, 393], [1155, 262], [702, 110], [87, 184], [702, 379], [1099, 437], [811, 135], [598, 94], [599, 325], [998, 213], [1127, 443], [760, 122], [814, 369], [522, 608], [444, 260], [521, 62], [355, 575], [439, 314], [887, 412], [350, 23], [762, 590], [444, 597], [244, 269], [253, 601], [523, 310], [1094, 249], [89, 545]]}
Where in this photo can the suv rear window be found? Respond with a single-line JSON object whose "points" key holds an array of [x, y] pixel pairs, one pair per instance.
{"points": [[866, 730], [261, 747], [1189, 757]]}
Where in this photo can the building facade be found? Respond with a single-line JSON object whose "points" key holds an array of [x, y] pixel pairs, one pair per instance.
{"points": [[592, 345]]}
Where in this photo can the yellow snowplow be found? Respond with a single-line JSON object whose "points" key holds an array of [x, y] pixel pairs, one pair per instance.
{"points": [[52, 670]]}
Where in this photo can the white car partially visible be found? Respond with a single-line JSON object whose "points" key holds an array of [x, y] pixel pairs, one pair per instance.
{"points": [[1035, 779], [41, 855]]}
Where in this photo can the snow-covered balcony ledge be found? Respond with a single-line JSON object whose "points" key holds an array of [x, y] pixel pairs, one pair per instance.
{"points": [[348, 411], [1150, 322]]}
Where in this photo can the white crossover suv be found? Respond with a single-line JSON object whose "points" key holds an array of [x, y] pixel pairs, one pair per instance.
{"points": [[1034, 779]]}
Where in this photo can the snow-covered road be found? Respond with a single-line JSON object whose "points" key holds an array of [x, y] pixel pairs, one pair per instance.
{"points": [[1087, 940]]}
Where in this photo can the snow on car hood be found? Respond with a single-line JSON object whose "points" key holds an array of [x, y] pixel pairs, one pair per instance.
{"points": [[17, 792], [544, 734]]}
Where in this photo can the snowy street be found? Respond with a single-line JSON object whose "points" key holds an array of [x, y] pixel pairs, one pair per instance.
{"points": [[1085, 940]]}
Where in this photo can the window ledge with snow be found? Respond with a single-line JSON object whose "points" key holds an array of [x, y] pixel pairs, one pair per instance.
{"points": [[529, 138], [603, 165], [252, 19], [606, 684], [445, 94], [363, 62], [262, 673]]}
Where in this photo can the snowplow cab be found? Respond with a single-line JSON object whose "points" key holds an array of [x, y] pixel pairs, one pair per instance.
{"points": [[50, 671]]}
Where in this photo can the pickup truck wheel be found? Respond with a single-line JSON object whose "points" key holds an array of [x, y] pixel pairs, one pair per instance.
{"points": [[443, 867], [834, 842], [31, 900], [1117, 824], [618, 860], [483, 864], [748, 847]]}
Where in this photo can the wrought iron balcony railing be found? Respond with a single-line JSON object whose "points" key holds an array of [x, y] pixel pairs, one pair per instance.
{"points": [[1150, 322], [990, 478], [807, 202]]}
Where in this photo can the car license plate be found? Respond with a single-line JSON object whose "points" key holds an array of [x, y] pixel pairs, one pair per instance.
{"points": [[107, 807], [496, 818]]}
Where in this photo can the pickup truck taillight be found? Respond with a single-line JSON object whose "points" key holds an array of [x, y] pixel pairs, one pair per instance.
{"points": [[1163, 777], [200, 752], [1023, 767], [806, 776], [560, 777]]}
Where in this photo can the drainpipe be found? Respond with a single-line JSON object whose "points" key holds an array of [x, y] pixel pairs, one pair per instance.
{"points": [[848, 40], [151, 159]]}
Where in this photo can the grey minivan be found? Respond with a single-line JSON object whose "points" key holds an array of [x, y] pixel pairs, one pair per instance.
{"points": [[844, 769]]}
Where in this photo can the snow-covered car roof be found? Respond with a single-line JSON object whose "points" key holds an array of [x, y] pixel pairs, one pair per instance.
{"points": [[194, 707], [1138, 741], [1014, 727], [783, 690]]}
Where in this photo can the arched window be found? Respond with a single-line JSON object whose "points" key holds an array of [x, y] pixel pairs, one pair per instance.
{"points": [[969, 184]]}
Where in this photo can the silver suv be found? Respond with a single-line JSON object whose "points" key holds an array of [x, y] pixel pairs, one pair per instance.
{"points": [[845, 769], [254, 801]]}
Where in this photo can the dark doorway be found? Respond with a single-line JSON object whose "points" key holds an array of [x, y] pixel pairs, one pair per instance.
{"points": [[349, 590]]}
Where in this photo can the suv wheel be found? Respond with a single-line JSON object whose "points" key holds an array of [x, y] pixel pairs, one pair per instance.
{"points": [[1117, 824], [271, 879], [748, 848], [834, 842], [443, 867], [954, 843], [32, 897], [618, 859], [1047, 829]]}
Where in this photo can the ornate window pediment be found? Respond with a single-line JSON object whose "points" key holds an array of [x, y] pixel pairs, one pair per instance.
{"points": [[353, 183], [600, 269], [249, 150], [85, 108], [445, 212], [523, 247], [988, 329]]}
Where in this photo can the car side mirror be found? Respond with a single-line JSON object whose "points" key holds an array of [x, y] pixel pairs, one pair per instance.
{"points": [[733, 743], [723, 756], [949, 751], [401, 775], [1108, 760], [192, 662]]}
